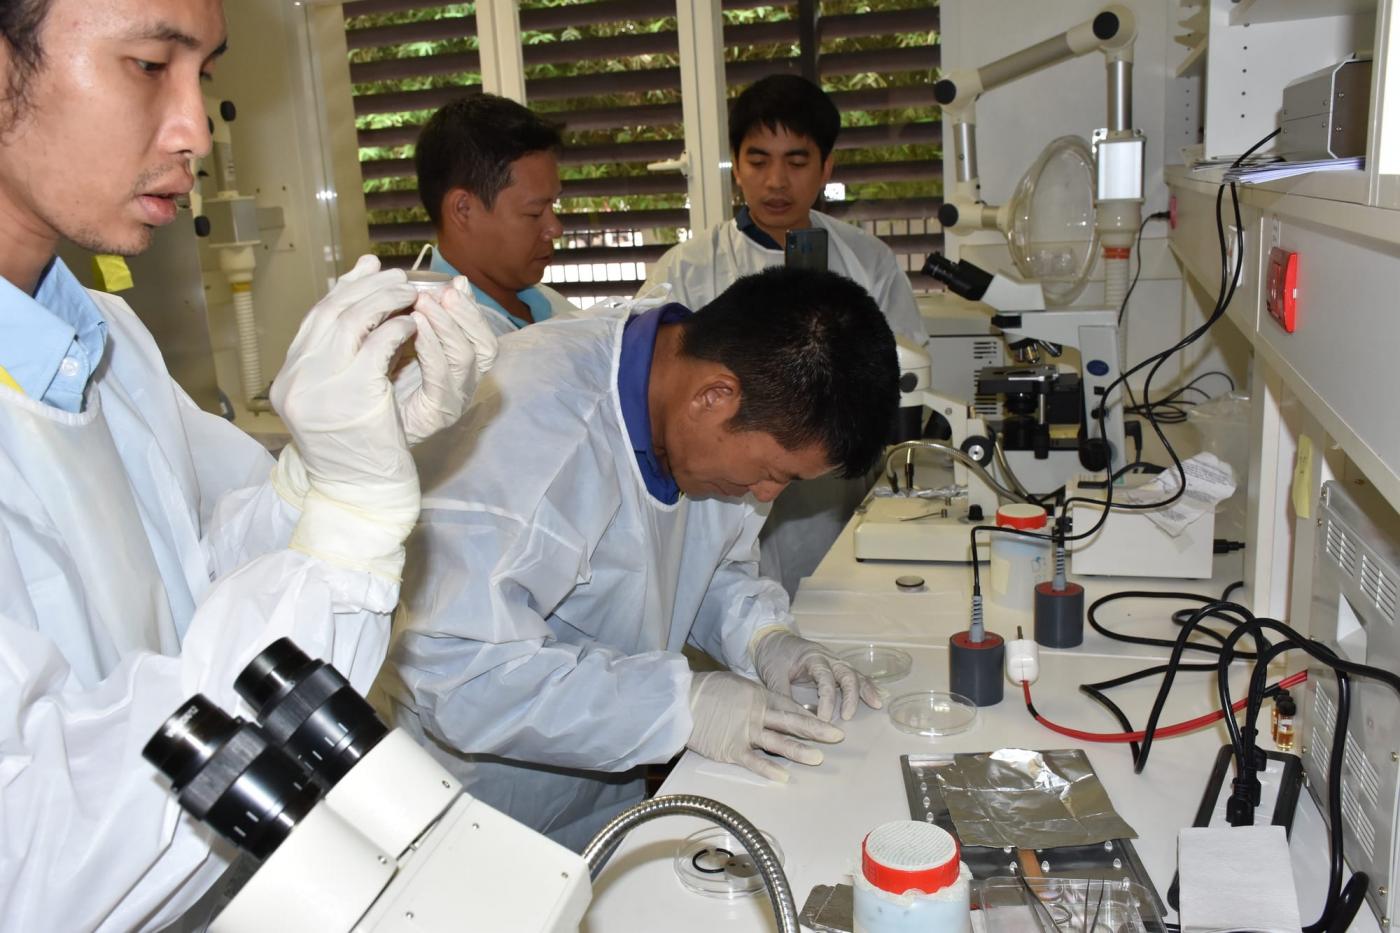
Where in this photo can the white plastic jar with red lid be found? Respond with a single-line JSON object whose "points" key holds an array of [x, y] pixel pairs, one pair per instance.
{"points": [[911, 879], [1018, 562]]}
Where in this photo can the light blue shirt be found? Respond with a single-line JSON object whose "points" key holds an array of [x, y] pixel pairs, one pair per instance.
{"points": [[51, 342], [534, 299]]}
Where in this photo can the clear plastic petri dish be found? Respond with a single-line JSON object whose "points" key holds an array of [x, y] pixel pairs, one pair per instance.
{"points": [[932, 713], [714, 863], [880, 663]]}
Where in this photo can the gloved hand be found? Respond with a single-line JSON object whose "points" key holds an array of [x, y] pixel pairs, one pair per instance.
{"points": [[734, 717], [453, 350], [333, 393], [783, 658]]}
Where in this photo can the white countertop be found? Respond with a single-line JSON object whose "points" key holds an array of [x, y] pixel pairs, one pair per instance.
{"points": [[820, 816]]}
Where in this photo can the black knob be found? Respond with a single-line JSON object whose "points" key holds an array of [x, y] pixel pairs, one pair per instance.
{"points": [[948, 214], [228, 111], [1105, 26], [945, 91], [974, 513], [201, 226]]}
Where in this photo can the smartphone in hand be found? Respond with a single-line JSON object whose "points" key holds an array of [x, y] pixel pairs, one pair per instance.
{"points": [[805, 249]]}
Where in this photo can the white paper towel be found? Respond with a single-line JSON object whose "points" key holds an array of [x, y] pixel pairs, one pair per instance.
{"points": [[1235, 878]]}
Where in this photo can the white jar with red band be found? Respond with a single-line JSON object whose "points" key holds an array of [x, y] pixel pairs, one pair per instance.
{"points": [[1019, 562], [911, 878]]}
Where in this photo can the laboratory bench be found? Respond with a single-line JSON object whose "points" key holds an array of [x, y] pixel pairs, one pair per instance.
{"points": [[820, 816]]}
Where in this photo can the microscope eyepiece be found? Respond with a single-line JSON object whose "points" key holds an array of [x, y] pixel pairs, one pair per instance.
{"points": [[310, 711], [962, 278], [225, 773]]}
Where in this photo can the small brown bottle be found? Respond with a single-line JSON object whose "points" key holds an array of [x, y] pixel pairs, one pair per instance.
{"points": [[1285, 713]]}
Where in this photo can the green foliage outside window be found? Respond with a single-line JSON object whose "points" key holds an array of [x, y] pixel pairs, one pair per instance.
{"points": [[929, 187]]}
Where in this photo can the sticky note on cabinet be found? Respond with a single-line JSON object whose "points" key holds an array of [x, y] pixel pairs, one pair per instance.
{"points": [[1302, 478], [111, 273]]}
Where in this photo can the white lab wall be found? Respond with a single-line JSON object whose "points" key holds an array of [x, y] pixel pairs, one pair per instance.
{"points": [[1016, 121]]}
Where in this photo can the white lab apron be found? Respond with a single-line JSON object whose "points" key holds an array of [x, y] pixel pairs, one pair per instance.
{"points": [[548, 595], [104, 597]]}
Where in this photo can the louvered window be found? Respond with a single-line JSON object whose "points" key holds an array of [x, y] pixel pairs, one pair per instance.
{"points": [[608, 70]]}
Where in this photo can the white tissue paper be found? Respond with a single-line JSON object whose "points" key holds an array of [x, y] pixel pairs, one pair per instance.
{"points": [[1236, 878], [1209, 481]]}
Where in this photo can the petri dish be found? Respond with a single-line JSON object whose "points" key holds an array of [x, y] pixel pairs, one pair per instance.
{"points": [[880, 663], [932, 713], [714, 863]]}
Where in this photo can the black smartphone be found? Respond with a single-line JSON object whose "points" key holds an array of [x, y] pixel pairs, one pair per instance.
{"points": [[805, 249]]}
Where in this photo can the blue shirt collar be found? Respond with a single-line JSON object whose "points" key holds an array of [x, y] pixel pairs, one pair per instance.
{"points": [[633, 381], [745, 222], [540, 308], [60, 321]]}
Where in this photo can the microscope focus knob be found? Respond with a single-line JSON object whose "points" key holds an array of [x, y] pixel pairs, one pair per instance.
{"points": [[978, 448], [1094, 454]]}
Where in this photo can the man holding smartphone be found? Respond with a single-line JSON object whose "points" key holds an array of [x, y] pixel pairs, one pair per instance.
{"points": [[782, 133]]}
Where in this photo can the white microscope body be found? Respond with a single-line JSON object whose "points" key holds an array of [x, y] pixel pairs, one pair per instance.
{"points": [[397, 846]]}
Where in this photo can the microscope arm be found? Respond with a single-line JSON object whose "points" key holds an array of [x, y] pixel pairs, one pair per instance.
{"points": [[1111, 31]]}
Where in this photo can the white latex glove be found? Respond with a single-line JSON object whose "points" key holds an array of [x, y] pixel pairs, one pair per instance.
{"points": [[350, 452], [454, 348], [783, 658], [735, 717]]}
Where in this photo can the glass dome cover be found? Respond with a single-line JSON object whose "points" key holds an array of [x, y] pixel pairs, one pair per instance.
{"points": [[1053, 237]]}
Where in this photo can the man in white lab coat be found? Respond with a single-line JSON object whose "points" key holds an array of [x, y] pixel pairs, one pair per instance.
{"points": [[488, 175], [782, 133], [596, 510], [148, 550]]}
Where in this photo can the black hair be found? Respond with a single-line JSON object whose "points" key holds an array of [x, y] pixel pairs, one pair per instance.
{"points": [[786, 101], [471, 142], [20, 22], [815, 360]]}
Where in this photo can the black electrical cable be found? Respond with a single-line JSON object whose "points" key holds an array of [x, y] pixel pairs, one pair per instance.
{"points": [[1174, 662], [1343, 900], [1137, 249], [1096, 625], [1226, 294]]}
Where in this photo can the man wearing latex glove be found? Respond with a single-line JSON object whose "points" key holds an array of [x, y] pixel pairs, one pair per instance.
{"points": [[349, 465], [783, 658], [736, 718], [143, 549], [597, 509], [454, 348]]}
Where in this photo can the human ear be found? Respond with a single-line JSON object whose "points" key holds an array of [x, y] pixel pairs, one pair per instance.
{"points": [[718, 397]]}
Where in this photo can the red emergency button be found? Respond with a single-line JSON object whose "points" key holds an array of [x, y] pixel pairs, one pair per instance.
{"points": [[1282, 299]]}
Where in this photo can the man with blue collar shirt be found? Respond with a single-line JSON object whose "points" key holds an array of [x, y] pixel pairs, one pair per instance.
{"points": [[537, 653], [149, 549], [488, 175]]}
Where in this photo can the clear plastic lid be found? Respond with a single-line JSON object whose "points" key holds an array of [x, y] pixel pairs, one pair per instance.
{"points": [[1054, 237], [1102, 906], [933, 713], [714, 863], [881, 663]]}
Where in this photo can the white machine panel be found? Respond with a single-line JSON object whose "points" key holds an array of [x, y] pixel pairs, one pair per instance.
{"points": [[1356, 612]]}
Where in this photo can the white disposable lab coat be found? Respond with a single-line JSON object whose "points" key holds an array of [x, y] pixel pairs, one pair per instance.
{"points": [[130, 580], [807, 518], [547, 594]]}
